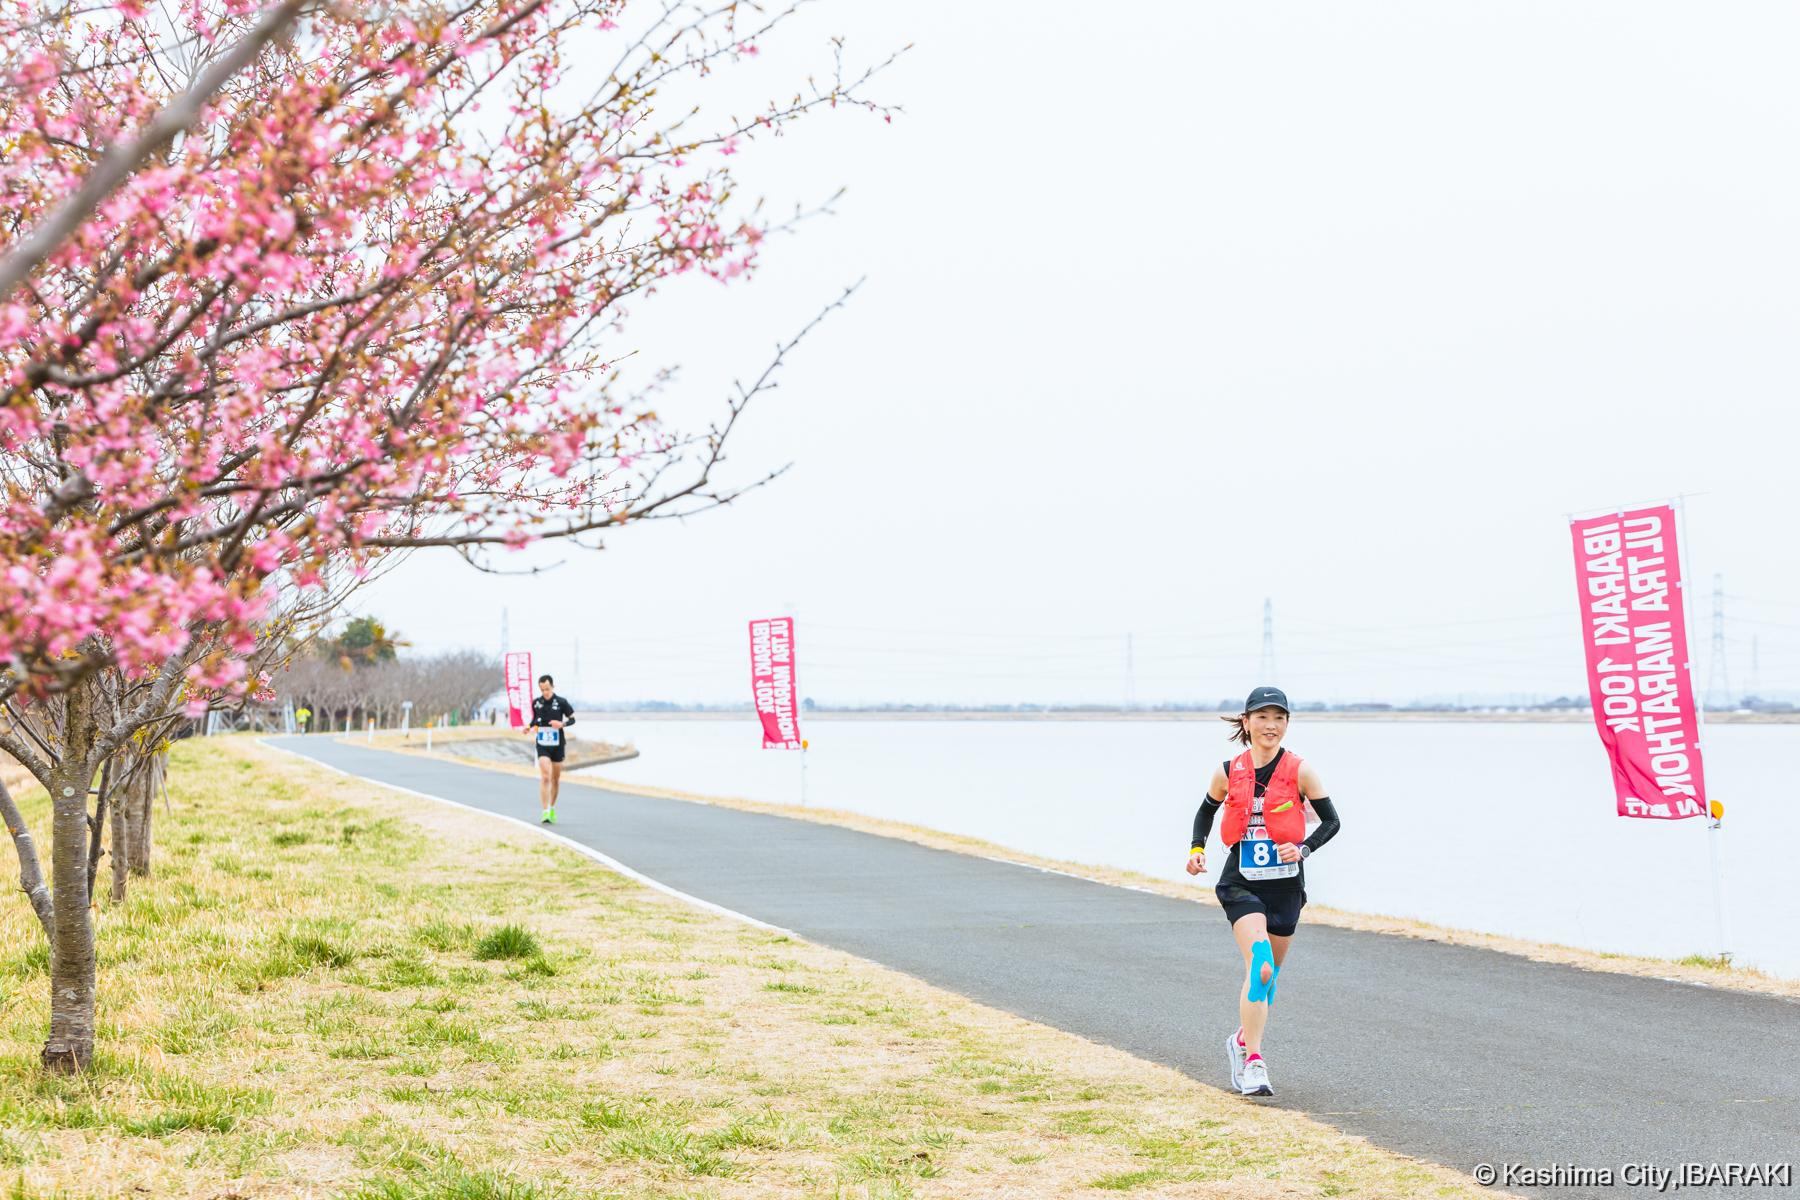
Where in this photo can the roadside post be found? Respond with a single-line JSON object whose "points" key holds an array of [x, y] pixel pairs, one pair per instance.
{"points": [[406, 717], [1721, 903]]}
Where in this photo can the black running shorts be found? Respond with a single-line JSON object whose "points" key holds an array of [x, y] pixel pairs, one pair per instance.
{"points": [[1280, 909], [553, 753]]}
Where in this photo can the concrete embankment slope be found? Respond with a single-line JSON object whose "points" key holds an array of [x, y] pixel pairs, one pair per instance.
{"points": [[1449, 1053]]}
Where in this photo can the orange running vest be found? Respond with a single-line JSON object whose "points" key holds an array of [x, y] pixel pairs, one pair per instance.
{"points": [[1284, 814]]}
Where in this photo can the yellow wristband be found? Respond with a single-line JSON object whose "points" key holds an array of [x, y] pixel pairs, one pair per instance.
{"points": [[1196, 850]]}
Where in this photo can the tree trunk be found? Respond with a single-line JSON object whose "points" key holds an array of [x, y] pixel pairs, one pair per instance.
{"points": [[124, 817], [70, 1046], [143, 811], [31, 875], [97, 826]]}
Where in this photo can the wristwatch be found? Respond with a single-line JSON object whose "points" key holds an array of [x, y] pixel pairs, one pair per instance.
{"points": [[1305, 850]]}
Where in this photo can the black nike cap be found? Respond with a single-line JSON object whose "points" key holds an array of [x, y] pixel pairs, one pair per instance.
{"points": [[1267, 697]]}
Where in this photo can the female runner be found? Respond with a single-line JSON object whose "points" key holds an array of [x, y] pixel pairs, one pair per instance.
{"points": [[1264, 792]]}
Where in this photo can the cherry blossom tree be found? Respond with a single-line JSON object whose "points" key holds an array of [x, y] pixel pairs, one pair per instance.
{"points": [[368, 300]]}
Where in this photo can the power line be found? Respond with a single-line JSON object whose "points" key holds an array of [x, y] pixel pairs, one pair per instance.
{"points": [[1759, 600]]}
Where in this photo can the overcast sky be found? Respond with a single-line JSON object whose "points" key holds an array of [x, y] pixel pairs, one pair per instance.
{"points": [[1174, 307]]}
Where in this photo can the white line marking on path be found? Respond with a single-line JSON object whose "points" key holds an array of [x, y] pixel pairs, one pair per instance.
{"points": [[605, 860]]}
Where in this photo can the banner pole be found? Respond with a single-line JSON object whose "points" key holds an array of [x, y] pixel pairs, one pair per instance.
{"points": [[1721, 914], [1715, 810], [793, 640]]}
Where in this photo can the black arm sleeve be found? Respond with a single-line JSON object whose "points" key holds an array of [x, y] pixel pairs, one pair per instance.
{"points": [[568, 712], [1209, 808], [1328, 823]]}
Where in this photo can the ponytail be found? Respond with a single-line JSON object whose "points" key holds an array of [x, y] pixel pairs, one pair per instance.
{"points": [[1240, 732]]}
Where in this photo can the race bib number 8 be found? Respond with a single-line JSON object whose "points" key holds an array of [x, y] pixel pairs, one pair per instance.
{"points": [[1257, 858], [549, 737]]}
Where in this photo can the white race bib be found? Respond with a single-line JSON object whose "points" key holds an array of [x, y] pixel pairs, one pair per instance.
{"points": [[549, 737], [1257, 858]]}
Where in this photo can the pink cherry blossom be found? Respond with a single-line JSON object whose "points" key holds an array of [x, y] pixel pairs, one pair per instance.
{"points": [[347, 321], [367, 304]]}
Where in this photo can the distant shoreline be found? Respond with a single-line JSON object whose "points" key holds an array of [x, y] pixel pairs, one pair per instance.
{"points": [[1504, 718]]}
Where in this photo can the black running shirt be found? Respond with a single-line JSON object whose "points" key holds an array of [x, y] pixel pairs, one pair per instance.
{"points": [[554, 709]]}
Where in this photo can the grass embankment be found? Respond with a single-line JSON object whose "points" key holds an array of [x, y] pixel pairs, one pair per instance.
{"points": [[330, 988]]}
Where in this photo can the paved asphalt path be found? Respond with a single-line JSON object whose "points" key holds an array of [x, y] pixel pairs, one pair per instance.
{"points": [[1452, 1054]]}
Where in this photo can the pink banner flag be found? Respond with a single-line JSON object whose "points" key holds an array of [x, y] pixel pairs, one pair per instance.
{"points": [[1628, 568], [772, 682], [518, 688]]}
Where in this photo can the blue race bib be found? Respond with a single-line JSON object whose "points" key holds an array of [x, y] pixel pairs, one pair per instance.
{"points": [[1257, 858]]}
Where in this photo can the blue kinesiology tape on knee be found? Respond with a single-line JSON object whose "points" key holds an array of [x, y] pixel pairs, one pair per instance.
{"points": [[1260, 954], [1274, 978]]}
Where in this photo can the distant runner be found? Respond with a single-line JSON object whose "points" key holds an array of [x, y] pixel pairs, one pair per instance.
{"points": [[550, 715], [1264, 792]]}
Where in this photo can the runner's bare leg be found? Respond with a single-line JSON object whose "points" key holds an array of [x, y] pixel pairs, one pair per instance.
{"points": [[547, 782], [1250, 930]]}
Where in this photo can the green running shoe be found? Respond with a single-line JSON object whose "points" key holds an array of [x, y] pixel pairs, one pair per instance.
{"points": [[549, 816], [553, 814]]}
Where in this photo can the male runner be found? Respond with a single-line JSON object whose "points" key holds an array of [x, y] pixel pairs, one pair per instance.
{"points": [[550, 715]]}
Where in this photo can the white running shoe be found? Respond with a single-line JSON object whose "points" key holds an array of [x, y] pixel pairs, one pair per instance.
{"points": [[1256, 1079], [1234, 1050]]}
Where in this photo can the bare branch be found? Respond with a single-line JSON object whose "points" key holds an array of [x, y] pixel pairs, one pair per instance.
{"points": [[31, 873]]}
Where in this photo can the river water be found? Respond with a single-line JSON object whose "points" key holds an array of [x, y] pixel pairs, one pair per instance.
{"points": [[1500, 828]]}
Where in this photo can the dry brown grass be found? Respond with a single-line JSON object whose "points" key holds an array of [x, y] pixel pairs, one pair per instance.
{"points": [[297, 1004]]}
